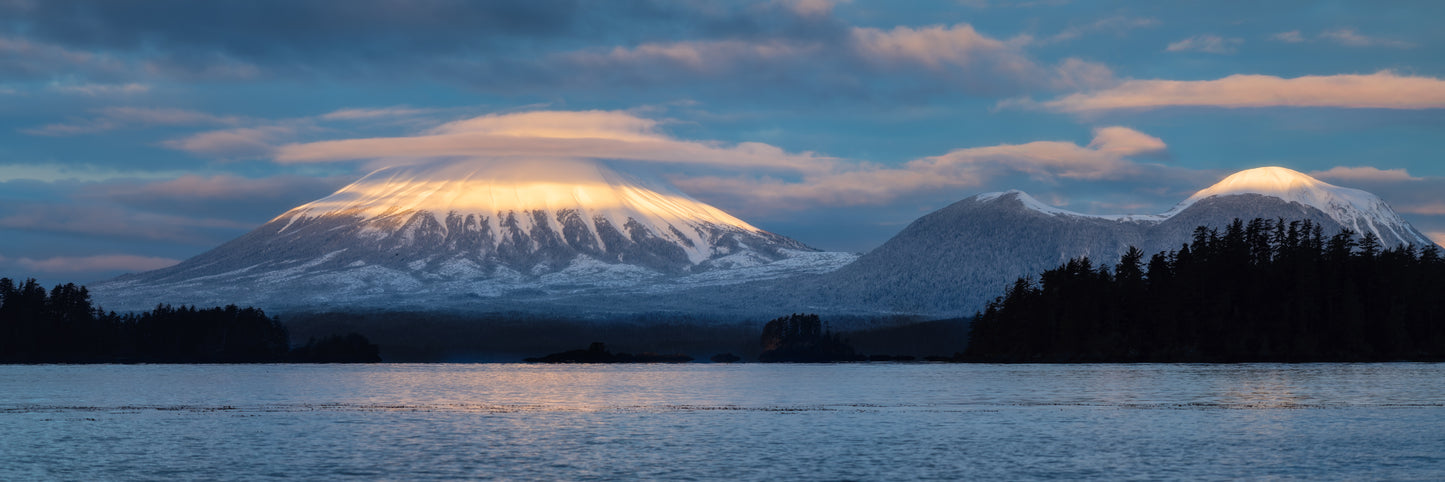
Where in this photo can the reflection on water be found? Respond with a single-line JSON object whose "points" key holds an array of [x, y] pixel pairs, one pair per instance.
{"points": [[852, 421]]}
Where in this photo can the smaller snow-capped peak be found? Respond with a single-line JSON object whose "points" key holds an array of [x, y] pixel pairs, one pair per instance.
{"points": [[1284, 183], [1358, 210]]}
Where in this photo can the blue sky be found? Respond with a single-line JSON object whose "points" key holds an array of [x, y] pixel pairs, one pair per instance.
{"points": [[136, 134]]}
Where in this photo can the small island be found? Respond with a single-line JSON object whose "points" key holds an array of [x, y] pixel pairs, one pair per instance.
{"points": [[597, 353]]}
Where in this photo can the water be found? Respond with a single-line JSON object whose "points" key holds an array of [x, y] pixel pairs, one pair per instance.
{"points": [[701, 421]]}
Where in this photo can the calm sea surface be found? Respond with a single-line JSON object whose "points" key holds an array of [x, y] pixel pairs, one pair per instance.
{"points": [[701, 421]]}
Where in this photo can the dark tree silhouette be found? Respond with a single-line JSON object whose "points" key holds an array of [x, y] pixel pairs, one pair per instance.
{"points": [[802, 338], [350, 348], [62, 326], [1266, 290]]}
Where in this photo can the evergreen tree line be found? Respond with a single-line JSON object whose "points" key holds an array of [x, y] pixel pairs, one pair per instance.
{"points": [[1263, 290], [62, 326]]}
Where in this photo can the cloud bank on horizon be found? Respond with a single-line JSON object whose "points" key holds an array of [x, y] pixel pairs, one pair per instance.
{"points": [[135, 134]]}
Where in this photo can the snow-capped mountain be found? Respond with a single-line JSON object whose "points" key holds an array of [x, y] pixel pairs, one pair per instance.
{"points": [[468, 234], [952, 261], [1357, 210]]}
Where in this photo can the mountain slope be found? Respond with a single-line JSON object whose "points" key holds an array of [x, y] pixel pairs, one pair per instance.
{"points": [[465, 234]]}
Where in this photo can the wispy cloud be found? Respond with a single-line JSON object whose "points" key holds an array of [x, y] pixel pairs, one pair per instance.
{"points": [[1437, 236], [96, 90], [1434, 209], [935, 47], [1124, 142], [237, 143], [371, 114], [50, 172], [812, 8], [1292, 36], [1117, 25], [105, 262], [111, 221], [713, 57], [1207, 43], [1350, 37], [1346, 36], [1364, 173], [113, 118], [1381, 90]]}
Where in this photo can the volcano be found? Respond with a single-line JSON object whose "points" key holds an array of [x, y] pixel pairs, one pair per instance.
{"points": [[478, 235]]}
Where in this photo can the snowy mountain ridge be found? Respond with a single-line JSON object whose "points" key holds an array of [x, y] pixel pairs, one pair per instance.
{"points": [[1360, 211]]}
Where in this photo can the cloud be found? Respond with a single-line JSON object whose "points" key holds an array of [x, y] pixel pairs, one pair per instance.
{"points": [[1125, 142], [109, 262], [1346, 36], [716, 57], [550, 134], [778, 49], [95, 90], [84, 173], [237, 143], [812, 8], [1364, 173], [24, 58], [1077, 74], [1207, 43], [111, 221], [1349, 37], [937, 47], [1437, 236], [378, 38], [1381, 90], [1434, 209], [1116, 25], [113, 118], [370, 114], [935, 58], [775, 176], [1292, 36], [851, 184]]}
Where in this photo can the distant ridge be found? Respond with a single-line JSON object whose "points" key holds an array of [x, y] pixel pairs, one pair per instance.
{"points": [[954, 260]]}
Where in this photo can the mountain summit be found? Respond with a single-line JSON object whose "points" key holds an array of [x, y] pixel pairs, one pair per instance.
{"points": [[464, 235]]}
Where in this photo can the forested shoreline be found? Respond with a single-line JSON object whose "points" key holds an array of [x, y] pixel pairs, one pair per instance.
{"points": [[62, 326], [1257, 291], [1262, 290]]}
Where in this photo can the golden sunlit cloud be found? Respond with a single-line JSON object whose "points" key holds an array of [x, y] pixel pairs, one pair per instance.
{"points": [[857, 184], [1364, 173], [553, 135], [1381, 90]]}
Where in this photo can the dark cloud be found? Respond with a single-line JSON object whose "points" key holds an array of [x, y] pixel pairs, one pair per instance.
{"points": [[239, 39], [287, 28]]}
